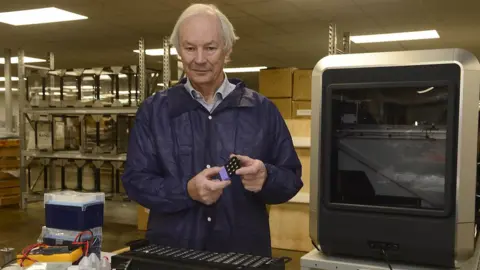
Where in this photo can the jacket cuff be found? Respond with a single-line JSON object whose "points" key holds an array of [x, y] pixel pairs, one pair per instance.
{"points": [[267, 185]]}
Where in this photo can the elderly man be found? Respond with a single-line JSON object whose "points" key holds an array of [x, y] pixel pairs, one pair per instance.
{"points": [[184, 135]]}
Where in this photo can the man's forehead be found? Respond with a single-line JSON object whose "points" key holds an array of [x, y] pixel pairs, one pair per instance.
{"points": [[205, 28], [209, 20]]}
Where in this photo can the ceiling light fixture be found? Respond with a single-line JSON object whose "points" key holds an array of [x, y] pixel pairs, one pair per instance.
{"points": [[14, 60], [243, 69], [404, 36], [157, 52], [2, 79], [3, 89], [39, 16]]}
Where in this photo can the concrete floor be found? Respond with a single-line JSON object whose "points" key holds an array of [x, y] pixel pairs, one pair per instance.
{"points": [[20, 228]]}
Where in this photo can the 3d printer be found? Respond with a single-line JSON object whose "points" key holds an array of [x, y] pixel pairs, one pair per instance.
{"points": [[395, 139]]}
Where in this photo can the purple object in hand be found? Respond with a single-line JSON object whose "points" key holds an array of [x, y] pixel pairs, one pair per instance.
{"points": [[223, 174]]}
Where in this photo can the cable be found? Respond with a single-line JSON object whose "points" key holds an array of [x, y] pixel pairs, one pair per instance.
{"points": [[385, 257], [313, 243], [87, 243]]}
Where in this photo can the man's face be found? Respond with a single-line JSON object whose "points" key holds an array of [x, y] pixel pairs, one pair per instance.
{"points": [[202, 49]]}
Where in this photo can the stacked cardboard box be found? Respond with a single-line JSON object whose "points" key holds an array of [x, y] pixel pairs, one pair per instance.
{"points": [[142, 218], [289, 89], [289, 222]]}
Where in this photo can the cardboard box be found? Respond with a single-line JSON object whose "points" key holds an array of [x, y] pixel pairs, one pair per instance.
{"points": [[289, 226], [301, 109], [302, 84], [284, 105], [142, 218], [304, 156], [299, 127], [276, 83]]}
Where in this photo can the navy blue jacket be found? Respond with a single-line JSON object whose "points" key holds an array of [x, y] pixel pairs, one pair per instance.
{"points": [[175, 137]]}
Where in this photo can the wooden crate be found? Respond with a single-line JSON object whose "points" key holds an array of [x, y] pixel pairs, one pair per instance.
{"points": [[9, 154], [10, 192], [10, 200]]}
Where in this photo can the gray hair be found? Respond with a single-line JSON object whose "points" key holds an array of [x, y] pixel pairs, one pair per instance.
{"points": [[228, 32]]}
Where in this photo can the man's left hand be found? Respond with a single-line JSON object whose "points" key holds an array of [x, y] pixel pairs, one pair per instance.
{"points": [[252, 172]]}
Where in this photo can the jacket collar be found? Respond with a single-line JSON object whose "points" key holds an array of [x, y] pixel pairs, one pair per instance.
{"points": [[180, 101]]}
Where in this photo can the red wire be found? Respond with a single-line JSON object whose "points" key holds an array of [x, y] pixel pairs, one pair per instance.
{"points": [[85, 243], [26, 251]]}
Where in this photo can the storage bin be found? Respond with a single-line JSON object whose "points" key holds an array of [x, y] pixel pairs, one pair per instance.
{"points": [[75, 211]]}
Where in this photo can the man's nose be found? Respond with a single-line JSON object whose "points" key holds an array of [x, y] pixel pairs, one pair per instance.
{"points": [[200, 56]]}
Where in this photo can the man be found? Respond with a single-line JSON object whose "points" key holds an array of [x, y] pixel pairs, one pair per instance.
{"points": [[182, 137]]}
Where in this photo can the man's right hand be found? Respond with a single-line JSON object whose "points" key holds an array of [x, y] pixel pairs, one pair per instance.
{"points": [[204, 189]]}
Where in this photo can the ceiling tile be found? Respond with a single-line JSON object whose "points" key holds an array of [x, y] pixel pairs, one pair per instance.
{"points": [[267, 7], [383, 47], [314, 27], [326, 5], [252, 26]]}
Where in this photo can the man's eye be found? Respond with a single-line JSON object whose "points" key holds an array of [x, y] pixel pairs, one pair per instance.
{"points": [[211, 48], [189, 48]]}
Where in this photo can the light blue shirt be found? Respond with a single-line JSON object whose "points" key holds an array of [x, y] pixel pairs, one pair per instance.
{"points": [[222, 92]]}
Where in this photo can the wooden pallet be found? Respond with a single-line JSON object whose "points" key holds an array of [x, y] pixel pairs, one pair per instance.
{"points": [[7, 143], [10, 192], [10, 200], [9, 154]]}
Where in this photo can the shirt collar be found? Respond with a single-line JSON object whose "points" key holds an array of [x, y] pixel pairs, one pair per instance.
{"points": [[221, 91]]}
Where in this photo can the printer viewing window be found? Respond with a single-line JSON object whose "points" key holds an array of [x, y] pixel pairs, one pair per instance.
{"points": [[390, 146]]}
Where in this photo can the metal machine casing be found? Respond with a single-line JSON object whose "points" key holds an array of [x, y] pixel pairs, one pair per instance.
{"points": [[466, 161]]}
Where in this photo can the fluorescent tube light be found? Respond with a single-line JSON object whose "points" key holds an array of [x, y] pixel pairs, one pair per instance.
{"points": [[404, 36], [157, 52], [38, 16], [3, 89], [243, 69], [2, 79], [14, 60]]}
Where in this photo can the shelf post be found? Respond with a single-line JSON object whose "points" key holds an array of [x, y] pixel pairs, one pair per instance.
{"points": [[8, 91], [21, 118], [141, 70], [166, 62], [346, 42], [332, 38]]}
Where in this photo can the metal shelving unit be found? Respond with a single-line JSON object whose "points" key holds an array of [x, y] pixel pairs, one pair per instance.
{"points": [[92, 109], [332, 41]]}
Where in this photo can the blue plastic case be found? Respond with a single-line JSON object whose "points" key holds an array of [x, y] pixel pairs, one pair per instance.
{"points": [[74, 211]]}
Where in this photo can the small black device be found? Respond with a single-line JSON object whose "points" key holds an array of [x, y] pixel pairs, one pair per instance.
{"points": [[143, 255], [230, 168]]}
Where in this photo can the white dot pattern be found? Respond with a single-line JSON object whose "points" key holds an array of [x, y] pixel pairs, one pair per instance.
{"points": [[232, 165]]}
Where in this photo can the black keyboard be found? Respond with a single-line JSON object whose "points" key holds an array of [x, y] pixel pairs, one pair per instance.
{"points": [[163, 257]]}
